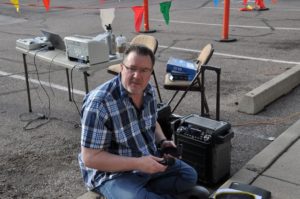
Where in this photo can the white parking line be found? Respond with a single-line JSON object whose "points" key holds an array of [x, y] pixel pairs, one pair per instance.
{"points": [[240, 5], [35, 81], [237, 26], [234, 56]]}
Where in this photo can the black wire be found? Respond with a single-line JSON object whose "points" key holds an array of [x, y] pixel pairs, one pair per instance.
{"points": [[46, 117], [38, 77], [49, 71], [26, 126], [72, 93], [38, 117]]}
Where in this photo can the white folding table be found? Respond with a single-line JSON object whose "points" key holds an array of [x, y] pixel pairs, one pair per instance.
{"points": [[58, 57]]}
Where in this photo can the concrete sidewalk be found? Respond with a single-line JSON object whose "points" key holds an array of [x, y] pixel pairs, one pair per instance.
{"points": [[276, 168]]}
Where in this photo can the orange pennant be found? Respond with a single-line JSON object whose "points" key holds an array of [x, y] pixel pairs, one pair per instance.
{"points": [[47, 4], [138, 17]]}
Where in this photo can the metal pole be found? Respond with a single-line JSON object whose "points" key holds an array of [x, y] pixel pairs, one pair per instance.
{"points": [[68, 82], [226, 19], [27, 82], [146, 18], [226, 22], [218, 95], [85, 75]]}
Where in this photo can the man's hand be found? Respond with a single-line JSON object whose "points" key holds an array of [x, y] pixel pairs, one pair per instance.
{"points": [[168, 143], [169, 149], [150, 164]]}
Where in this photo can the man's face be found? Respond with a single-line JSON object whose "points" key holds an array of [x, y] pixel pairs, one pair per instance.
{"points": [[135, 72]]}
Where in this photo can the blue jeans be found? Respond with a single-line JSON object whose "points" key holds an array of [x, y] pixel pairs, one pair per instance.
{"points": [[176, 179]]}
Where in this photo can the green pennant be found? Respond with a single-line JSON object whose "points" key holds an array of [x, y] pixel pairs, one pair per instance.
{"points": [[164, 9]]}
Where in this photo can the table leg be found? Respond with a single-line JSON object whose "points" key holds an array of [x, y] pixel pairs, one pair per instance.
{"points": [[85, 74], [27, 82], [68, 81]]}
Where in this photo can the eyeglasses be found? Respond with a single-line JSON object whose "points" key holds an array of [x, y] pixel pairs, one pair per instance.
{"points": [[143, 71]]}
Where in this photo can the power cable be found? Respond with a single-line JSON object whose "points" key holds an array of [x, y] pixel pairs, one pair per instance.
{"points": [[72, 93], [38, 116]]}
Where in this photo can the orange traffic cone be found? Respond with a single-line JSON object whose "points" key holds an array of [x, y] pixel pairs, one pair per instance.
{"points": [[246, 6], [260, 6]]}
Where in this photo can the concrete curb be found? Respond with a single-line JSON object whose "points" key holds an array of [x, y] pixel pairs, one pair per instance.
{"points": [[263, 160], [90, 195], [255, 100]]}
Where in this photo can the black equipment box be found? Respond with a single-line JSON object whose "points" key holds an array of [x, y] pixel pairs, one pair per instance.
{"points": [[205, 145]]}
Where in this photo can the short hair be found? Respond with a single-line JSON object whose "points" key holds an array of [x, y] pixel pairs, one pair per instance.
{"points": [[140, 49]]}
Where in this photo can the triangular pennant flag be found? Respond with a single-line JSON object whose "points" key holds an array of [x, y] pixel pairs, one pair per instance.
{"points": [[216, 2], [47, 4], [165, 10], [260, 4], [107, 16], [101, 2], [138, 17], [16, 4]]}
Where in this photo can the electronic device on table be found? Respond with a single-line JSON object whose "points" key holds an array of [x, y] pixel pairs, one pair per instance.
{"points": [[55, 40], [87, 49], [51, 40], [32, 43]]}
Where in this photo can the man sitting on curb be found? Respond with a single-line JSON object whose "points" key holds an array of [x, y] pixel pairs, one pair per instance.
{"points": [[120, 133]]}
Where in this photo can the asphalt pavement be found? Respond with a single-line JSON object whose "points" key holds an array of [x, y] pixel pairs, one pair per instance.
{"points": [[267, 45]]}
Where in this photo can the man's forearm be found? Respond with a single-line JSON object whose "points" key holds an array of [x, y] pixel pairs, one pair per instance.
{"points": [[107, 162], [104, 161], [159, 135]]}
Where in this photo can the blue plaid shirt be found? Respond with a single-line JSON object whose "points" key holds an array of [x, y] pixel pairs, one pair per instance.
{"points": [[111, 122]]}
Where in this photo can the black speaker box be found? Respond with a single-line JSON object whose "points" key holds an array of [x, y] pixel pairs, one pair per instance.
{"points": [[205, 145]]}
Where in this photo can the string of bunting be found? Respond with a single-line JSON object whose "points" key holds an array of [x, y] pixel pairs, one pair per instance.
{"points": [[138, 10], [17, 4]]}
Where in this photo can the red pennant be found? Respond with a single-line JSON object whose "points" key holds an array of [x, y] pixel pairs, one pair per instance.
{"points": [[138, 17], [47, 4], [260, 4], [245, 2]]}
